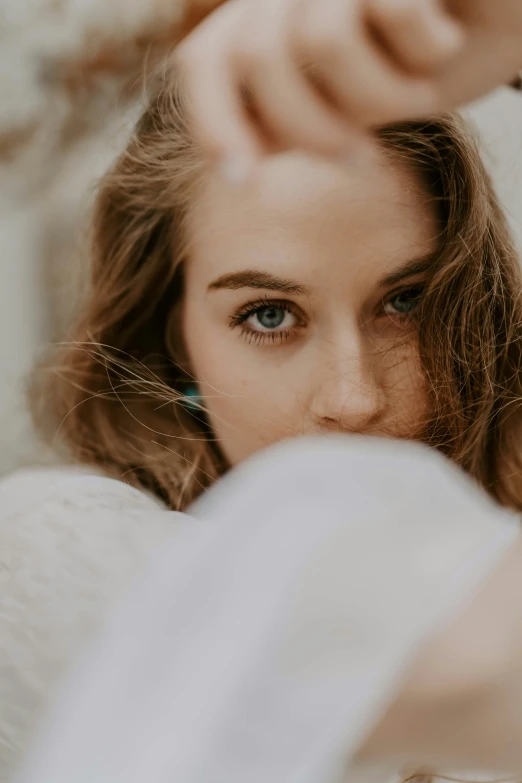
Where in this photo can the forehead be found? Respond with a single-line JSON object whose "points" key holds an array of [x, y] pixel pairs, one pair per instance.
{"points": [[304, 214]]}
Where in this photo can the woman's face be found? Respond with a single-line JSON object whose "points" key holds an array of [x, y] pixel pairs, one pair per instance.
{"points": [[299, 303]]}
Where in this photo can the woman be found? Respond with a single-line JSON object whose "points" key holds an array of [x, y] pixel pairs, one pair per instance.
{"points": [[319, 310]]}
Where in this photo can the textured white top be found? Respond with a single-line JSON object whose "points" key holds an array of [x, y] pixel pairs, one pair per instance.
{"points": [[70, 543], [264, 641]]}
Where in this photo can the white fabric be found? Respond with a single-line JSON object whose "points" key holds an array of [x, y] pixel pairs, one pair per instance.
{"points": [[267, 639], [71, 545]]}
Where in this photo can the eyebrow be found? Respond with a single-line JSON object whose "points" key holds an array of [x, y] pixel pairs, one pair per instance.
{"points": [[416, 267], [252, 278]]}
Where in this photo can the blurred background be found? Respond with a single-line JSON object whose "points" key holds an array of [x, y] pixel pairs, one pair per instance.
{"points": [[63, 118]]}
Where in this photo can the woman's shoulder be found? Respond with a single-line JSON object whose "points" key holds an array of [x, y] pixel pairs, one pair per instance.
{"points": [[71, 542], [61, 527], [70, 514], [68, 487]]}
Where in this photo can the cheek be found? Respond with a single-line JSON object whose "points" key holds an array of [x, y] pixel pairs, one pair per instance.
{"points": [[249, 400], [406, 389]]}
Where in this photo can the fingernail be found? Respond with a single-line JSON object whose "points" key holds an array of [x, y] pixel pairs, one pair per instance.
{"points": [[236, 169]]}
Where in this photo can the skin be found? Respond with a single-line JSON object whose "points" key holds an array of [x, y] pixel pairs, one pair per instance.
{"points": [[282, 49], [322, 73], [344, 358]]}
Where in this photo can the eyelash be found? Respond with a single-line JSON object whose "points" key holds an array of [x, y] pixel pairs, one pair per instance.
{"points": [[258, 337], [418, 288], [281, 336]]}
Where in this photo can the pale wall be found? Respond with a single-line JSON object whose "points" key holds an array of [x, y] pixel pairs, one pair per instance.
{"points": [[499, 120]]}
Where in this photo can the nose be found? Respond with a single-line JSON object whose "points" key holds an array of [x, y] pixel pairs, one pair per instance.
{"points": [[347, 394]]}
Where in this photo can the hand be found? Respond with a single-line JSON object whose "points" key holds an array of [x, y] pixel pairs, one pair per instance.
{"points": [[316, 73]]}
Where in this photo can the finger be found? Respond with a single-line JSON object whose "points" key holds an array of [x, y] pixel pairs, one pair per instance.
{"points": [[357, 75], [217, 113], [294, 114], [419, 34]]}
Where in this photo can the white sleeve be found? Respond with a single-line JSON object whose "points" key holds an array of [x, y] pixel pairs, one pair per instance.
{"points": [[70, 544], [266, 641]]}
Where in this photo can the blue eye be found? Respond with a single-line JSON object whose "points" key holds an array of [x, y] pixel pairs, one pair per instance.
{"points": [[274, 321], [404, 302], [270, 318]]}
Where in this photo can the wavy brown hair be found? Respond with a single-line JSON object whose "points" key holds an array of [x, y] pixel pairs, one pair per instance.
{"points": [[113, 391]]}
